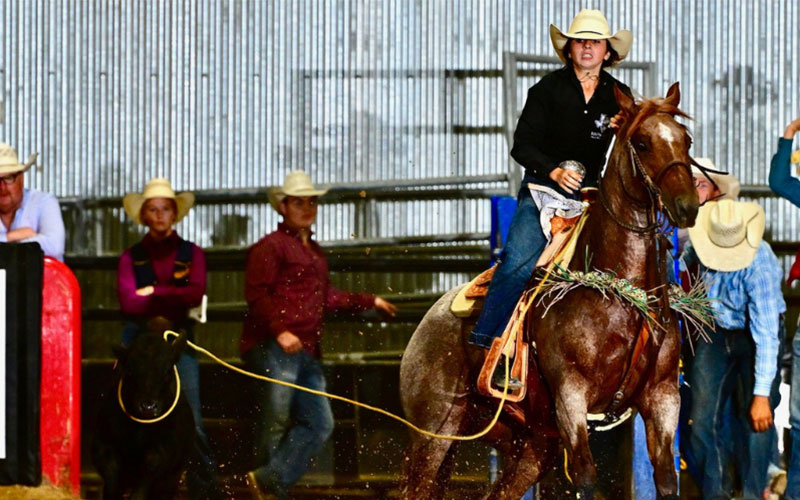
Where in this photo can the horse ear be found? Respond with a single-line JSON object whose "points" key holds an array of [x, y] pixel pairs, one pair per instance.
{"points": [[674, 94], [625, 102]]}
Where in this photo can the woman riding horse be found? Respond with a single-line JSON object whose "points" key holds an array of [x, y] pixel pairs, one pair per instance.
{"points": [[567, 116], [596, 352]]}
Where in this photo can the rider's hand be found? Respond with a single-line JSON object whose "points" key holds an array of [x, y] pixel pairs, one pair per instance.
{"points": [[760, 414], [792, 128], [385, 306], [289, 342], [568, 180]]}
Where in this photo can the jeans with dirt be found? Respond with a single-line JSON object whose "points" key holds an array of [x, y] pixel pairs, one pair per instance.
{"points": [[525, 244], [292, 425], [716, 370], [793, 486]]}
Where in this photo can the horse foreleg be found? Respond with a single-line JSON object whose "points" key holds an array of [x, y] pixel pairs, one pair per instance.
{"points": [[571, 410], [659, 408], [523, 465]]}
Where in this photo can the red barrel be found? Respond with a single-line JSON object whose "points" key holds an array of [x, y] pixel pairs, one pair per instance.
{"points": [[60, 414]]}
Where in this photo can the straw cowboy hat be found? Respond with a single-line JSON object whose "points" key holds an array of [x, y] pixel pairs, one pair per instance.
{"points": [[727, 233], [727, 184], [795, 158], [9, 162], [157, 188], [296, 183], [591, 24]]}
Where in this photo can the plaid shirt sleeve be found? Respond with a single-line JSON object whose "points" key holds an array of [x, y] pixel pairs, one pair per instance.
{"points": [[765, 304]]}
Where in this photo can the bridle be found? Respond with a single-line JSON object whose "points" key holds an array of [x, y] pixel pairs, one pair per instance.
{"points": [[653, 192]]}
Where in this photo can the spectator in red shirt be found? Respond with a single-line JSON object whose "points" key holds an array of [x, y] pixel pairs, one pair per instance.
{"points": [[159, 280], [288, 292]]}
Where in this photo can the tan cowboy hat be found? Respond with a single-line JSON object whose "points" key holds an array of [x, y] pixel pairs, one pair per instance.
{"points": [[157, 188], [9, 162], [591, 24], [296, 183], [728, 184], [727, 233]]}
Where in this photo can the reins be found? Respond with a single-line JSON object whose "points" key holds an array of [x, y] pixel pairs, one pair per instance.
{"points": [[157, 419]]}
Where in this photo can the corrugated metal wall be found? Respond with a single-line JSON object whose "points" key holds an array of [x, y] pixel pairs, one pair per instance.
{"points": [[231, 94]]}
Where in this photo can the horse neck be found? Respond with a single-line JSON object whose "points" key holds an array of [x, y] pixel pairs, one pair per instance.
{"points": [[612, 247]]}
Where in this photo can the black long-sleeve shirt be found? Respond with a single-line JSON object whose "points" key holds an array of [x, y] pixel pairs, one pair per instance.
{"points": [[558, 124]]}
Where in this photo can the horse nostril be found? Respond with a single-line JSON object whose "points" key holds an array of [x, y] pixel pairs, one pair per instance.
{"points": [[685, 208]]}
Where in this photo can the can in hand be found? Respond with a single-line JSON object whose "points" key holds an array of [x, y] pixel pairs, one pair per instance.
{"points": [[575, 166]]}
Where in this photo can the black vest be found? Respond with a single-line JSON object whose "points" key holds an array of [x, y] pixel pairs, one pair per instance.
{"points": [[143, 269]]}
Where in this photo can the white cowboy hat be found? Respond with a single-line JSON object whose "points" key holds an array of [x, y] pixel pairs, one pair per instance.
{"points": [[727, 233], [296, 183], [591, 24], [9, 162], [157, 188], [727, 184]]}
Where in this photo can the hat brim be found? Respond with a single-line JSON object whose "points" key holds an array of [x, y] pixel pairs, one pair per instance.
{"points": [[276, 194], [727, 184], [731, 258], [22, 167], [133, 202], [621, 41]]}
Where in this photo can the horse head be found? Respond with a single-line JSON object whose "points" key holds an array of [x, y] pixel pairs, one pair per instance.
{"points": [[147, 376], [658, 150]]}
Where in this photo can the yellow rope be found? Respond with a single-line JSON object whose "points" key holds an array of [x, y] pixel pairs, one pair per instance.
{"points": [[566, 466], [162, 417], [168, 333], [197, 348]]}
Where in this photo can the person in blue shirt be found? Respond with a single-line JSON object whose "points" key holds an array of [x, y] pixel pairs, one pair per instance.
{"points": [[784, 184], [27, 215], [744, 278]]}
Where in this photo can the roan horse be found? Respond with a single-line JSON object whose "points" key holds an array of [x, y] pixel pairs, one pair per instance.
{"points": [[584, 342]]}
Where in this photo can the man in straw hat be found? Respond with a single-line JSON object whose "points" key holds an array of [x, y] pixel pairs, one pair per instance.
{"points": [[27, 215], [288, 291], [710, 186], [744, 277], [567, 118], [787, 186], [159, 279]]}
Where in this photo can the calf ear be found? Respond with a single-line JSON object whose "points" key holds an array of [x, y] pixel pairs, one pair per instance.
{"points": [[178, 345], [120, 352]]}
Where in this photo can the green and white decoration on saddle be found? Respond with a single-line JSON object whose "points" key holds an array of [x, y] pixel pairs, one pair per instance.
{"points": [[693, 307]]}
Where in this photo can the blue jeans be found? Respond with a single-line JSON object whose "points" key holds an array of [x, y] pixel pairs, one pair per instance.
{"points": [[201, 471], [292, 425], [793, 487], [525, 244], [716, 371]]}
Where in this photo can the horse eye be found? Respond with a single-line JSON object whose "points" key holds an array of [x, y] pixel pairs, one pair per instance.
{"points": [[641, 146]]}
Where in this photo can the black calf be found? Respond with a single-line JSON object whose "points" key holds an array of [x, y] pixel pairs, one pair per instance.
{"points": [[145, 459]]}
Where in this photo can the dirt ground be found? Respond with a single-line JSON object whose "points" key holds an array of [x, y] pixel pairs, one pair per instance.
{"points": [[45, 492]]}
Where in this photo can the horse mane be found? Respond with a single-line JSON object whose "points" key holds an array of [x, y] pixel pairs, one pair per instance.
{"points": [[647, 108]]}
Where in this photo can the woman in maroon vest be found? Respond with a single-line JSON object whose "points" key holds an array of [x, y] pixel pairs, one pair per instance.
{"points": [[159, 280]]}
